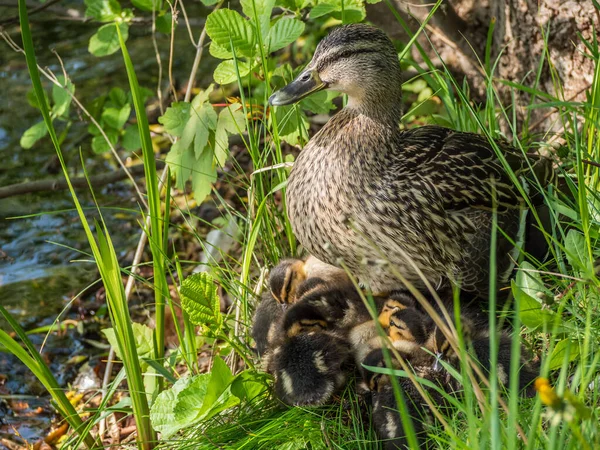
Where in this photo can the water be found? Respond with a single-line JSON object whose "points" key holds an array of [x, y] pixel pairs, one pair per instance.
{"points": [[44, 254]]}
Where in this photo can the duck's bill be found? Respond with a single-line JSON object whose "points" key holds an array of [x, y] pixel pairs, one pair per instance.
{"points": [[297, 90]]}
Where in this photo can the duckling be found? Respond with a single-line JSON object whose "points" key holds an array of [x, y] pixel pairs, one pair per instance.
{"points": [[386, 416], [423, 197], [309, 367], [292, 278], [409, 328], [266, 324]]}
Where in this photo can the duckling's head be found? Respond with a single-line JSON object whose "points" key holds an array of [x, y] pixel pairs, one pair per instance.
{"points": [[285, 279], [408, 325], [358, 60], [393, 304]]}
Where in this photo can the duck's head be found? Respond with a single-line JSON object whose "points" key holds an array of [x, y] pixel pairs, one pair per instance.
{"points": [[285, 279], [358, 60]]}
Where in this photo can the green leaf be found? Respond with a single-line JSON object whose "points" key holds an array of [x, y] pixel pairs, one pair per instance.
{"points": [[263, 10], [577, 255], [293, 124], [106, 40], [231, 121], [200, 301], [33, 101], [144, 5], [175, 118], [226, 71], [33, 134], [99, 144], [204, 175], [219, 52], [209, 2], [319, 102], [564, 347], [530, 281], [531, 312], [103, 10], [181, 161], [118, 97], [116, 118], [61, 98], [228, 28], [249, 385], [131, 138], [144, 343], [284, 32], [162, 413], [164, 23], [322, 9], [215, 395]]}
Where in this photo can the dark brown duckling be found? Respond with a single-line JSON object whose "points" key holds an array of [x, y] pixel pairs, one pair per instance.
{"points": [[266, 324], [310, 367]]}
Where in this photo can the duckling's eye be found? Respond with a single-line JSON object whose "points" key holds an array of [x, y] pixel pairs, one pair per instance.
{"points": [[396, 325]]}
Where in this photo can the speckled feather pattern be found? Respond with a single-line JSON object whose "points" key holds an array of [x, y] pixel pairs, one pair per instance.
{"points": [[365, 193]]}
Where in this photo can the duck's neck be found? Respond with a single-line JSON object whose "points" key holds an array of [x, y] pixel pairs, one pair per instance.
{"points": [[382, 106]]}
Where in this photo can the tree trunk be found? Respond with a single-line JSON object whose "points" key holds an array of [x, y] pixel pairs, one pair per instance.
{"points": [[459, 31]]}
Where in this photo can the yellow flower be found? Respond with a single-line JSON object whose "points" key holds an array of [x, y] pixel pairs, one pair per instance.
{"points": [[547, 393]]}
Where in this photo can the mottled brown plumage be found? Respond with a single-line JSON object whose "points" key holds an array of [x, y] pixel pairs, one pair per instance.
{"points": [[420, 201]]}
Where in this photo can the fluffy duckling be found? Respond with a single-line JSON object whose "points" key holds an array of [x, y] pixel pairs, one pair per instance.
{"points": [[309, 367], [292, 278], [410, 329], [266, 324]]}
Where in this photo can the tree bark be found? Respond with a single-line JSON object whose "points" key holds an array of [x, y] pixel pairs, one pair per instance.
{"points": [[459, 32]]}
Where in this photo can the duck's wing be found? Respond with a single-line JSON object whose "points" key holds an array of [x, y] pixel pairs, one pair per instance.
{"points": [[465, 169]]}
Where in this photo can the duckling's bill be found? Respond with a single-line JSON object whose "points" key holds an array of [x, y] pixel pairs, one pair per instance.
{"points": [[305, 84]]}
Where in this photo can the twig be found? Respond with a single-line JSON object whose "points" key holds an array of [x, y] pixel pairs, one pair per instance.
{"points": [[590, 163], [15, 19], [61, 184]]}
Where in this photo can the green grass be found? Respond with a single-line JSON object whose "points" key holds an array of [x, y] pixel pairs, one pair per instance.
{"points": [[486, 417]]}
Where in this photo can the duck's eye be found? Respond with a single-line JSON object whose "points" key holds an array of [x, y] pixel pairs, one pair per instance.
{"points": [[305, 76], [397, 325]]}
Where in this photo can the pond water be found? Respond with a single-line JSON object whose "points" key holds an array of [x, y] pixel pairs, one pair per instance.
{"points": [[44, 254]]}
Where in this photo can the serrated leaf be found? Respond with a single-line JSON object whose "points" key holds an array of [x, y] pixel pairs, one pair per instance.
{"points": [[103, 10], [227, 72], [162, 413], [202, 122], [61, 98], [228, 28], [231, 121], [200, 301], [106, 40], [292, 124], [319, 102], [116, 117], [131, 138], [175, 118], [144, 343], [322, 9], [33, 134], [564, 347], [219, 52], [576, 251], [260, 9], [284, 32]]}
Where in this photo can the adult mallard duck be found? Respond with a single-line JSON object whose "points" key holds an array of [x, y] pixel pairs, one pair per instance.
{"points": [[367, 194]]}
